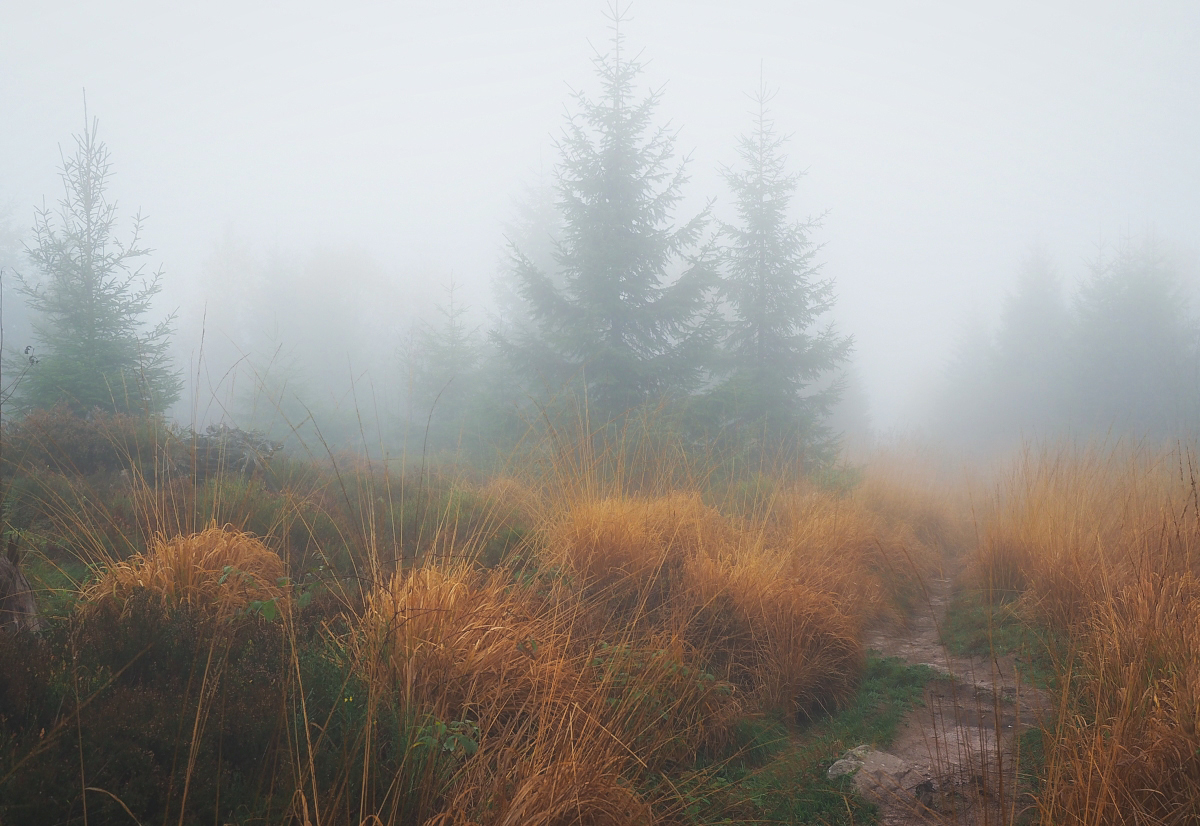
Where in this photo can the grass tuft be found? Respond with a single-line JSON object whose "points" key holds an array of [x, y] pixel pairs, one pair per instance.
{"points": [[1102, 548], [220, 569]]}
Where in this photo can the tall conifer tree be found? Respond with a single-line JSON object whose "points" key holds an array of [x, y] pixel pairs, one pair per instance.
{"points": [[627, 315], [444, 362], [90, 298], [777, 355], [1135, 345]]}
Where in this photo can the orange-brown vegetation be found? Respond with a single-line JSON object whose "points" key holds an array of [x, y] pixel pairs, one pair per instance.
{"points": [[1104, 547], [219, 570], [527, 649]]}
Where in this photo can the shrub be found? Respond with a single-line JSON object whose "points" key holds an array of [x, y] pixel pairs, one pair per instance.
{"points": [[164, 715], [66, 443]]}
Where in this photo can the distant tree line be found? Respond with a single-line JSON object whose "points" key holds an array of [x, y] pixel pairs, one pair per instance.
{"points": [[611, 302], [610, 305], [1122, 356]]}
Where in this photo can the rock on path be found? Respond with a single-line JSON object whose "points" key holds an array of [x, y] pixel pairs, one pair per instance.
{"points": [[955, 759]]}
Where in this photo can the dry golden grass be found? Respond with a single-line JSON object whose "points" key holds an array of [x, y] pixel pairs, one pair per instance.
{"points": [[873, 547], [511, 500], [790, 645], [639, 624], [447, 639], [565, 722], [1068, 528], [219, 570], [1133, 754], [775, 600], [649, 625], [582, 791], [634, 547], [1105, 547]]}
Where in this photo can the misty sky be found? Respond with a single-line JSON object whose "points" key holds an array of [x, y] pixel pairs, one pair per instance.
{"points": [[943, 138]]}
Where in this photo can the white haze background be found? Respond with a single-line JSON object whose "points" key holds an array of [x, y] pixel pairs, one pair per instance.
{"points": [[349, 158]]}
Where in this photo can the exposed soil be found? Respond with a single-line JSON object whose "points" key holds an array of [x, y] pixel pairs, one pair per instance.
{"points": [[955, 760]]}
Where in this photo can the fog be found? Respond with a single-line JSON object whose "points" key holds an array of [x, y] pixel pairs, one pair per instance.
{"points": [[313, 175]]}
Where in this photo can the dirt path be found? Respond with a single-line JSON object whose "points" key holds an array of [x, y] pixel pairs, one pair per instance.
{"points": [[954, 760]]}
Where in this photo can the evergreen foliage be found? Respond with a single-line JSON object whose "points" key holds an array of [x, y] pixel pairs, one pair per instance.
{"points": [[1134, 348], [89, 300], [1124, 356], [535, 229], [628, 315], [779, 360], [444, 361], [1017, 380], [1031, 345], [10, 241]]}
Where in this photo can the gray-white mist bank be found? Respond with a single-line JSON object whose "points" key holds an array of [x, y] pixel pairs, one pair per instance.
{"points": [[312, 177]]}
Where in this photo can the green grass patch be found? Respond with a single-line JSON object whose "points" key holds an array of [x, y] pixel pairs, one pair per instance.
{"points": [[976, 627], [1031, 748], [778, 775], [55, 582]]}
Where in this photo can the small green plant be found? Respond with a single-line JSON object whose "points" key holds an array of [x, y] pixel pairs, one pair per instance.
{"points": [[459, 738], [776, 775]]}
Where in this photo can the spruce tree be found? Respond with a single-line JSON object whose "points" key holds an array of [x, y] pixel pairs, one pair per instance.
{"points": [[1029, 373], [535, 229], [443, 362], [89, 299], [1135, 345], [779, 361], [626, 315]]}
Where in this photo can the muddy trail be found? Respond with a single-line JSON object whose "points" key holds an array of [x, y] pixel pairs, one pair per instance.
{"points": [[956, 759]]}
